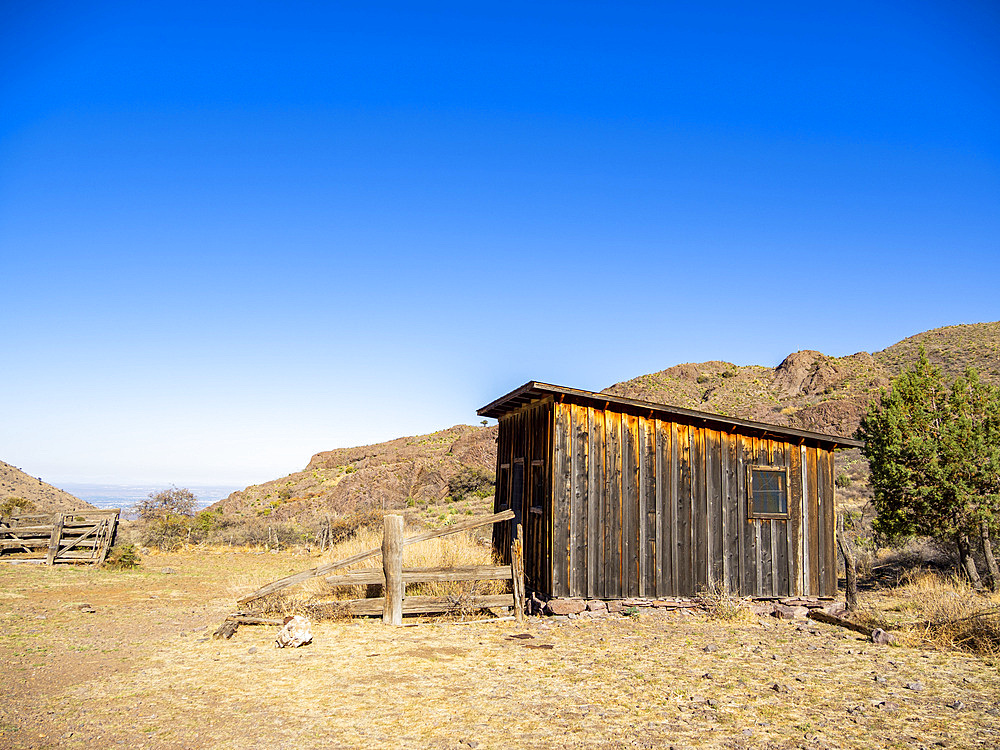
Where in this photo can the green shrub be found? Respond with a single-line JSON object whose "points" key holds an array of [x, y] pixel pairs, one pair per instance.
{"points": [[470, 481], [123, 557], [8, 506]]}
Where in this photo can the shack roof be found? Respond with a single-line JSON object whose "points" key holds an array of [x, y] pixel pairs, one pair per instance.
{"points": [[534, 391]]}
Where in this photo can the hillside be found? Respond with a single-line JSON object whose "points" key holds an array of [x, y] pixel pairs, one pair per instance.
{"points": [[808, 389], [407, 472], [44, 497], [812, 390]]}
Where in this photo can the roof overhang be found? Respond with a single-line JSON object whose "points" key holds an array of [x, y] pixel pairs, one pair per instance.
{"points": [[535, 391]]}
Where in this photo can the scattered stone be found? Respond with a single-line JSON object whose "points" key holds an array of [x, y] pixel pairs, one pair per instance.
{"points": [[993, 711], [761, 609], [837, 609], [800, 678], [710, 648], [914, 686], [596, 605], [565, 607], [86, 608], [167, 571], [779, 688], [882, 638], [252, 650], [880, 679], [470, 743], [521, 635], [712, 702], [698, 699], [615, 606], [296, 632], [786, 612], [707, 676], [957, 705]]}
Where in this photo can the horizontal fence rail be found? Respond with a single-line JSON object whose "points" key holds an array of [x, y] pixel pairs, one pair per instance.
{"points": [[83, 536]]}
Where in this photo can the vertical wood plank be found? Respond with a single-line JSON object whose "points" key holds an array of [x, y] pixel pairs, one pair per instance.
{"points": [[734, 523], [54, 538], [671, 508], [660, 534], [595, 485], [649, 517], [794, 463], [685, 531], [815, 547], [716, 517], [561, 498], [825, 469], [699, 509], [581, 480], [630, 505], [601, 507], [744, 530], [517, 575], [804, 536], [641, 507], [614, 448]]}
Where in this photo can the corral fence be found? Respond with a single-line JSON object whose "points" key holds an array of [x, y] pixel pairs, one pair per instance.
{"points": [[393, 577], [80, 536]]}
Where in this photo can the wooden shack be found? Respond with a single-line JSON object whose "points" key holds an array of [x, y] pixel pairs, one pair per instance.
{"points": [[622, 498]]}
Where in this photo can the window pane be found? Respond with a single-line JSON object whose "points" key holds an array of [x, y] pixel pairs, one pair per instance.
{"points": [[769, 496]]}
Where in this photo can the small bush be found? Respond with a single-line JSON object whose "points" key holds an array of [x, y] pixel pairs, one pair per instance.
{"points": [[8, 506], [843, 480], [470, 481], [703, 378], [123, 557]]}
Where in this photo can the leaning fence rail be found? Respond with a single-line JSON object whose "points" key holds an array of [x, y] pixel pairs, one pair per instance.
{"points": [[393, 578]]}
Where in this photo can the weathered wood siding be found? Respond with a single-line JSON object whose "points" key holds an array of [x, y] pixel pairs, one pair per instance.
{"points": [[525, 439], [642, 506]]}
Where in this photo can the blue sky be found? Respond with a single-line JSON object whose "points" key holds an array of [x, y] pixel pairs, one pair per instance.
{"points": [[233, 235]]}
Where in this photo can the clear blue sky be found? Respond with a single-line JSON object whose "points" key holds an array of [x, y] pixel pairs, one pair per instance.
{"points": [[233, 235]]}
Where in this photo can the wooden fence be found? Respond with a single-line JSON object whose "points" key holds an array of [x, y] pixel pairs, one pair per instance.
{"points": [[393, 578], [82, 536]]}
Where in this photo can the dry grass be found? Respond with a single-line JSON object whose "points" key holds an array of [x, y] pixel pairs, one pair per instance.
{"points": [[936, 609], [721, 605]]}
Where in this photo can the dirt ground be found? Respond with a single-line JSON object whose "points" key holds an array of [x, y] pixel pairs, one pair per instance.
{"points": [[142, 672]]}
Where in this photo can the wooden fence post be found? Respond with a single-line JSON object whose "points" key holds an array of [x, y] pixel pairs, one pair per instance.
{"points": [[57, 526], [392, 565], [517, 574]]}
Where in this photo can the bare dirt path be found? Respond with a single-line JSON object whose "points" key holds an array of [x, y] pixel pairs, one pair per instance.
{"points": [[137, 673]]}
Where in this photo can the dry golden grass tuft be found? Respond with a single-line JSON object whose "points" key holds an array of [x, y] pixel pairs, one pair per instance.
{"points": [[721, 605]]}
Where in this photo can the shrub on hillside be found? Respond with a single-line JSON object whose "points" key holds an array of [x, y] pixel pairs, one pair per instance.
{"points": [[471, 481], [18, 504]]}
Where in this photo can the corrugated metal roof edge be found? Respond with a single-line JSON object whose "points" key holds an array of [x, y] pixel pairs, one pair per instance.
{"points": [[516, 398]]}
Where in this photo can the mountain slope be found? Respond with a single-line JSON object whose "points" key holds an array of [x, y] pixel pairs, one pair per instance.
{"points": [[406, 471], [811, 390], [44, 497]]}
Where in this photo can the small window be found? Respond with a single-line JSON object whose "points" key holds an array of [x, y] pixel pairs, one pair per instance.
{"points": [[537, 486], [768, 491], [503, 487]]}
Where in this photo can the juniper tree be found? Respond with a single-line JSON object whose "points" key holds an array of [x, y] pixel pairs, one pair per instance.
{"points": [[935, 460]]}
